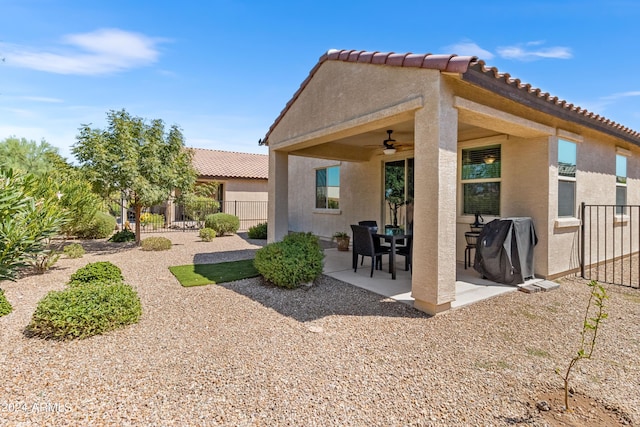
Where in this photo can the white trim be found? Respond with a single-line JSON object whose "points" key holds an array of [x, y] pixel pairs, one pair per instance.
{"points": [[572, 137], [623, 151], [620, 219], [327, 211], [567, 222]]}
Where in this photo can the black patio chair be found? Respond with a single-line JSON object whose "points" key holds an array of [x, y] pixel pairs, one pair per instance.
{"points": [[363, 245], [407, 252], [373, 228]]}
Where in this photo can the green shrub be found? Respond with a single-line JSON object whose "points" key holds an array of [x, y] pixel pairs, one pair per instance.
{"points": [[123, 236], [101, 226], [207, 234], [74, 250], [295, 260], [152, 220], [156, 244], [258, 231], [223, 223], [102, 271], [5, 306], [84, 311]]}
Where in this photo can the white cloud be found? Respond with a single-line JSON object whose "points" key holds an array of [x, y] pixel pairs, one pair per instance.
{"points": [[103, 51], [622, 95], [42, 99], [523, 53], [469, 48]]}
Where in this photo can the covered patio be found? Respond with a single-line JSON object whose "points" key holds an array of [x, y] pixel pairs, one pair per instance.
{"points": [[470, 287], [361, 115]]}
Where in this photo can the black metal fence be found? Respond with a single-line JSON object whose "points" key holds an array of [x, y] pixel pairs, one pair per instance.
{"points": [[178, 217], [610, 243]]}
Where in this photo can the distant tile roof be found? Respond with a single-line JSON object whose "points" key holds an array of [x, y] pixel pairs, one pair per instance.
{"points": [[229, 164], [473, 70]]}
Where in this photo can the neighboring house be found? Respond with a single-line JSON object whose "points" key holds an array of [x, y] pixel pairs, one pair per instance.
{"points": [[468, 140], [242, 176]]}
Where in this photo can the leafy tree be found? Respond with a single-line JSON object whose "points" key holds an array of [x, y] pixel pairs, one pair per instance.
{"points": [[28, 156], [200, 202], [135, 158], [30, 215], [394, 189]]}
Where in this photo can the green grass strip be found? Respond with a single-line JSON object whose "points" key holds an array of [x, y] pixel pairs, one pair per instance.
{"points": [[208, 274]]}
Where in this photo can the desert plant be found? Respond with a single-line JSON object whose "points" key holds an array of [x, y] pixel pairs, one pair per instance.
{"points": [[102, 271], [100, 227], [590, 325], [84, 311], [150, 219], [207, 234], [29, 217], [74, 250], [258, 231], [44, 260], [223, 223], [295, 260], [156, 244], [5, 306], [125, 235]]}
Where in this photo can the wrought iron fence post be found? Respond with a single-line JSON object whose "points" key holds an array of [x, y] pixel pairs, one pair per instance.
{"points": [[582, 242]]}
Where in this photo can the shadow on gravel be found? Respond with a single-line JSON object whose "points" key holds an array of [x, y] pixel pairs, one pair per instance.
{"points": [[99, 246], [327, 297], [215, 257]]}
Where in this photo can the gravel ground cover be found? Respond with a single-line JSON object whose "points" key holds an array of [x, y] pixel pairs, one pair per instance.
{"points": [[248, 354]]}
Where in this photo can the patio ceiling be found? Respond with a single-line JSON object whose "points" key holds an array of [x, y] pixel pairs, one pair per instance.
{"points": [[364, 146]]}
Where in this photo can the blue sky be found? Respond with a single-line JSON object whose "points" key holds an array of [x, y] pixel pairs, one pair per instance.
{"points": [[223, 70]]}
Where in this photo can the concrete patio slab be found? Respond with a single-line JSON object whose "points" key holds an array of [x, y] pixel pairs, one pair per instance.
{"points": [[470, 287]]}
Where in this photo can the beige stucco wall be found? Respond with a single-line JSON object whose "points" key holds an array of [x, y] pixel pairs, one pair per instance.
{"points": [[342, 92], [246, 190], [360, 195]]}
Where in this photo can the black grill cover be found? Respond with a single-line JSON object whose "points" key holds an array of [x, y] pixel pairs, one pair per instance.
{"points": [[504, 252]]}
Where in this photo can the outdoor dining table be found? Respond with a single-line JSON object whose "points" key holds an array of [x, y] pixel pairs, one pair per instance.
{"points": [[393, 239]]}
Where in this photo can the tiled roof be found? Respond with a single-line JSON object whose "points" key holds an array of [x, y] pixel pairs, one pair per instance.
{"points": [[464, 65], [229, 164], [574, 110]]}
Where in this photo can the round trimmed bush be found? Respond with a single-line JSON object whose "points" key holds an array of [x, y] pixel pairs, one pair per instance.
{"points": [[156, 244], [100, 227], [223, 223], [258, 231], [102, 271], [84, 311], [295, 260], [207, 234], [74, 250], [5, 306]]}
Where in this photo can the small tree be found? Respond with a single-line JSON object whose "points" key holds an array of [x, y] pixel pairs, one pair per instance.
{"points": [[589, 332], [200, 202], [135, 158]]}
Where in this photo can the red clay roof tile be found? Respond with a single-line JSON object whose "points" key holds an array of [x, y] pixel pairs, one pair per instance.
{"points": [[451, 64], [229, 164]]}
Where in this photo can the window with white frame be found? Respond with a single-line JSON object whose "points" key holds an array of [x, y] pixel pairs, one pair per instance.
{"points": [[566, 178], [621, 183], [481, 176], [328, 188]]}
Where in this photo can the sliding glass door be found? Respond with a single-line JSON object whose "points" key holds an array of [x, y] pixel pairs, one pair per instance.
{"points": [[398, 194]]}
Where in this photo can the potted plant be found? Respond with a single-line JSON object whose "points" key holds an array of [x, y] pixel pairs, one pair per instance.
{"points": [[343, 240]]}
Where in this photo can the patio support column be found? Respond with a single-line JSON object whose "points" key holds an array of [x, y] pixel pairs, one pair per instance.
{"points": [[278, 215], [433, 283]]}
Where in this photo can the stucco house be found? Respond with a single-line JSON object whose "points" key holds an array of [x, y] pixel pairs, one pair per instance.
{"points": [[468, 139], [242, 176]]}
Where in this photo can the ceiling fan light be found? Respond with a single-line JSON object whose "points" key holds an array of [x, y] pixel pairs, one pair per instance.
{"points": [[389, 151]]}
